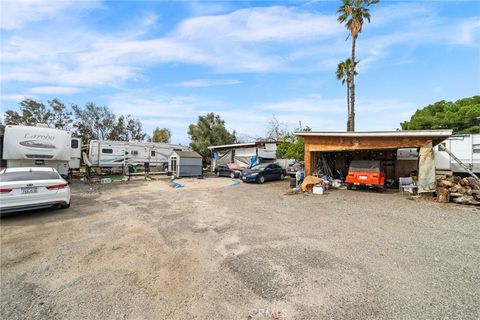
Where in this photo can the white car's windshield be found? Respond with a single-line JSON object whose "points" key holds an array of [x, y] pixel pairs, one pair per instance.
{"points": [[28, 175]]}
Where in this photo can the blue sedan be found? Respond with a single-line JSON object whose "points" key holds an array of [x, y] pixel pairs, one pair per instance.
{"points": [[263, 172]]}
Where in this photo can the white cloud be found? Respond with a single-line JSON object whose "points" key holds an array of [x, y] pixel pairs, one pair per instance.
{"points": [[17, 13], [15, 97], [201, 83], [256, 40], [177, 112], [228, 43], [264, 24], [55, 90]]}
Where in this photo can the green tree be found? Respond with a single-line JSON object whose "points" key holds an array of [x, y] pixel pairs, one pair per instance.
{"points": [[118, 132], [32, 112], [210, 130], [93, 122], [60, 118], [133, 129], [292, 146], [353, 13], [462, 116], [345, 75], [161, 135]]}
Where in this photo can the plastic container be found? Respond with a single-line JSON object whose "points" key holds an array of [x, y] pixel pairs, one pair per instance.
{"points": [[105, 181], [317, 189], [293, 182]]}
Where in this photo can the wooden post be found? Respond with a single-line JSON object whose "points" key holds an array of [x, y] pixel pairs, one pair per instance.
{"points": [[308, 162]]}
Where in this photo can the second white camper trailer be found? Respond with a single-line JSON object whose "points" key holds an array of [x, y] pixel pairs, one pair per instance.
{"points": [[109, 154], [466, 147]]}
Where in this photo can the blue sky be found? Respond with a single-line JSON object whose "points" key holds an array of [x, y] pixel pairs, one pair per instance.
{"points": [[166, 63]]}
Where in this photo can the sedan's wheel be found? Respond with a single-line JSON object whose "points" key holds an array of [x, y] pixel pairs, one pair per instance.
{"points": [[65, 206], [282, 177], [232, 175], [218, 173], [261, 179]]}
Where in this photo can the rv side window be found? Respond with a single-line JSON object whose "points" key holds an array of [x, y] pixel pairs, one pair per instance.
{"points": [[152, 153], [107, 150], [134, 153], [74, 144], [476, 148]]}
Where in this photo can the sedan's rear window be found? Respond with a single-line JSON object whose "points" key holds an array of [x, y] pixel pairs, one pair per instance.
{"points": [[28, 175]]}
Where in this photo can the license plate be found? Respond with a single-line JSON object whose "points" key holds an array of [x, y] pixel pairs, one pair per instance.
{"points": [[243, 178], [29, 190], [362, 177]]}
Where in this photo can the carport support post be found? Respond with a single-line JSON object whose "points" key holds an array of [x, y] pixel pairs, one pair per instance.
{"points": [[308, 161]]}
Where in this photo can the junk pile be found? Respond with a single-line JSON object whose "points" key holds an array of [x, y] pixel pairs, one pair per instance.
{"points": [[309, 182], [458, 190]]}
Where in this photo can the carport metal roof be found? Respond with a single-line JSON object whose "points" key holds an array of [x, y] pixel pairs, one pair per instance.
{"points": [[444, 133]]}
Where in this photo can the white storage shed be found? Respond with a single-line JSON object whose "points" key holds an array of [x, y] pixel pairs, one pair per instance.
{"points": [[185, 164]]}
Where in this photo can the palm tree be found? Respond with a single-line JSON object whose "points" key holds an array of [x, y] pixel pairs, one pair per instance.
{"points": [[344, 74], [353, 13]]}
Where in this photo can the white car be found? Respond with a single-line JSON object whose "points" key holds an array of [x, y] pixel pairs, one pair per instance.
{"points": [[27, 188]]}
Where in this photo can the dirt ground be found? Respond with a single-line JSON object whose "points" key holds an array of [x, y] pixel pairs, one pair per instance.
{"points": [[216, 249]]}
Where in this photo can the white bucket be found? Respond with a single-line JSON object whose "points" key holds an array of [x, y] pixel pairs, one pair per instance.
{"points": [[105, 181], [317, 190]]}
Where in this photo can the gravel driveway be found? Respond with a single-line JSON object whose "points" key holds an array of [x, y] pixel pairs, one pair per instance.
{"points": [[212, 250]]}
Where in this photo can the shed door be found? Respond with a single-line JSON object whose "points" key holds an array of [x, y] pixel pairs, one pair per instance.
{"points": [[173, 164]]}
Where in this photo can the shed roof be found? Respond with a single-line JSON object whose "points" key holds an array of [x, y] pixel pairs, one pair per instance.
{"points": [[188, 154], [400, 134], [240, 145]]}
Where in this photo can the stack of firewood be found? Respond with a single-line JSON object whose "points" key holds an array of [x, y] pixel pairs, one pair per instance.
{"points": [[458, 190]]}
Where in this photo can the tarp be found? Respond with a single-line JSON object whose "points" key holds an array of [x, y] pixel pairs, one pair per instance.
{"points": [[243, 162], [223, 157], [233, 166], [426, 169], [309, 182]]}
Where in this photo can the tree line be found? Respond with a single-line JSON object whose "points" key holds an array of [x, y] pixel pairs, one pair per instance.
{"points": [[462, 116], [99, 122], [91, 121]]}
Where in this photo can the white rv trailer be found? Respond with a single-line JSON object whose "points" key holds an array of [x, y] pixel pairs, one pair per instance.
{"points": [[27, 146], [465, 147], [110, 154]]}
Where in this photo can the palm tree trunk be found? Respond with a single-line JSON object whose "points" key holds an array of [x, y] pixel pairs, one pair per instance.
{"points": [[352, 89], [348, 105]]}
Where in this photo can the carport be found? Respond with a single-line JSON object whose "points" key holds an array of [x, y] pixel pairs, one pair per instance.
{"points": [[402, 153]]}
